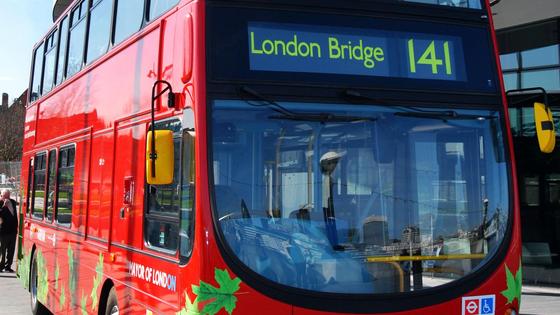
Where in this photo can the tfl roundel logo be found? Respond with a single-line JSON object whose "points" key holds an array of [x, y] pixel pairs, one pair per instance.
{"points": [[479, 305]]}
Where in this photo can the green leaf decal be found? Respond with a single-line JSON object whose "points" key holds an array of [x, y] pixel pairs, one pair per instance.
{"points": [[42, 278], [56, 274], [23, 269], [84, 303], [221, 297], [513, 290], [97, 281], [62, 298], [71, 275], [190, 307]]}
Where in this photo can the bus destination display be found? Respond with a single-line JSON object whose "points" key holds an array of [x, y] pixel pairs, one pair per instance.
{"points": [[351, 51]]}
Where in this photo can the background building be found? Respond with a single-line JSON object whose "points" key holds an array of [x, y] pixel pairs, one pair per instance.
{"points": [[529, 37]]}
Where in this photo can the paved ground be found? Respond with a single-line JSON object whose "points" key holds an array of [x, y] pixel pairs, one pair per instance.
{"points": [[14, 300]]}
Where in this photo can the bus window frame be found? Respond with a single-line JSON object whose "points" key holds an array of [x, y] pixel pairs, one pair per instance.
{"points": [[38, 46], [34, 216], [54, 34], [57, 190], [162, 218], [47, 190]]}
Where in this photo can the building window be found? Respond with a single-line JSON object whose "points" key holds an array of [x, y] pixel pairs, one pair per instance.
{"points": [[128, 20], [65, 186], [99, 29], [51, 182], [61, 63], [39, 177], [547, 79], [510, 81], [37, 73], [76, 39], [544, 56], [539, 67], [509, 61]]}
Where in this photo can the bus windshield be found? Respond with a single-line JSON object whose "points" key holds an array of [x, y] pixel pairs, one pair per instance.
{"points": [[362, 199], [472, 4]]}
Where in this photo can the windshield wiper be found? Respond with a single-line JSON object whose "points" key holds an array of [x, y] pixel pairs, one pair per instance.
{"points": [[286, 114], [265, 101], [444, 115]]}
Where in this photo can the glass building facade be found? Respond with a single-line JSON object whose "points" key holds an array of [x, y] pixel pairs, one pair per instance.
{"points": [[530, 57]]}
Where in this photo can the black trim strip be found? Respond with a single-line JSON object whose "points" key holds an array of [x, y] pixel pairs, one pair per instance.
{"points": [[136, 250]]}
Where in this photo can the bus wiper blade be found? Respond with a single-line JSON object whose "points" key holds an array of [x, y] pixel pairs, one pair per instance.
{"points": [[321, 117], [444, 115], [265, 101]]}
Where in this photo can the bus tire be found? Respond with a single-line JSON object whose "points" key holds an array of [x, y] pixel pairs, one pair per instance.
{"points": [[36, 307], [112, 307]]}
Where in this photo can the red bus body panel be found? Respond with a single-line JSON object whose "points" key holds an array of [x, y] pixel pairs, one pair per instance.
{"points": [[104, 111]]}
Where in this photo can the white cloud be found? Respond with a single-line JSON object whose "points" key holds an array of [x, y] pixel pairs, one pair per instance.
{"points": [[6, 78]]}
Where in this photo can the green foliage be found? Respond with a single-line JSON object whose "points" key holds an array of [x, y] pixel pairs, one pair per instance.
{"points": [[23, 269], [513, 290], [42, 278], [221, 297], [97, 281]]}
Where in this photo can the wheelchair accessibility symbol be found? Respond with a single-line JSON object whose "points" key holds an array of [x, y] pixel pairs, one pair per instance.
{"points": [[479, 305]]}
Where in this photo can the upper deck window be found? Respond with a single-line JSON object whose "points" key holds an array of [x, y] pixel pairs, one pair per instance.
{"points": [[62, 50], [158, 7], [472, 4], [99, 29], [128, 20], [50, 61], [77, 36], [37, 73]]}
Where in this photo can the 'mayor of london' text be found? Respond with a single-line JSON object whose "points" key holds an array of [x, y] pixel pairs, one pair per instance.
{"points": [[336, 50]]}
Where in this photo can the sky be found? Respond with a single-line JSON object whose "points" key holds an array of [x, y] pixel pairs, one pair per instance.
{"points": [[22, 24]]}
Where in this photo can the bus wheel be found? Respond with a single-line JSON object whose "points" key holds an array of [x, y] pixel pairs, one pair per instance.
{"points": [[36, 307], [112, 304]]}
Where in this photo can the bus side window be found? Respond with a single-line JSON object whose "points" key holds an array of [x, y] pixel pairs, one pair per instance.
{"points": [[51, 181], [128, 20], [99, 29], [50, 58], [28, 209], [39, 176], [65, 186], [163, 202], [186, 230], [61, 61], [158, 7], [35, 90], [76, 39]]}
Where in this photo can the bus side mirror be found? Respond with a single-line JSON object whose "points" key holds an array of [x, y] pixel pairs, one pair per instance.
{"points": [[159, 164], [544, 125]]}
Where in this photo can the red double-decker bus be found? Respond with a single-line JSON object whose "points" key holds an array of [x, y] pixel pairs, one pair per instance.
{"points": [[278, 157]]}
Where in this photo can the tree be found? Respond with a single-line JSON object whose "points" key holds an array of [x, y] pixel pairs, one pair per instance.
{"points": [[12, 119]]}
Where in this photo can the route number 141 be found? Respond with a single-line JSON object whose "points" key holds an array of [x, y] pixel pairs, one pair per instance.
{"points": [[429, 58]]}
